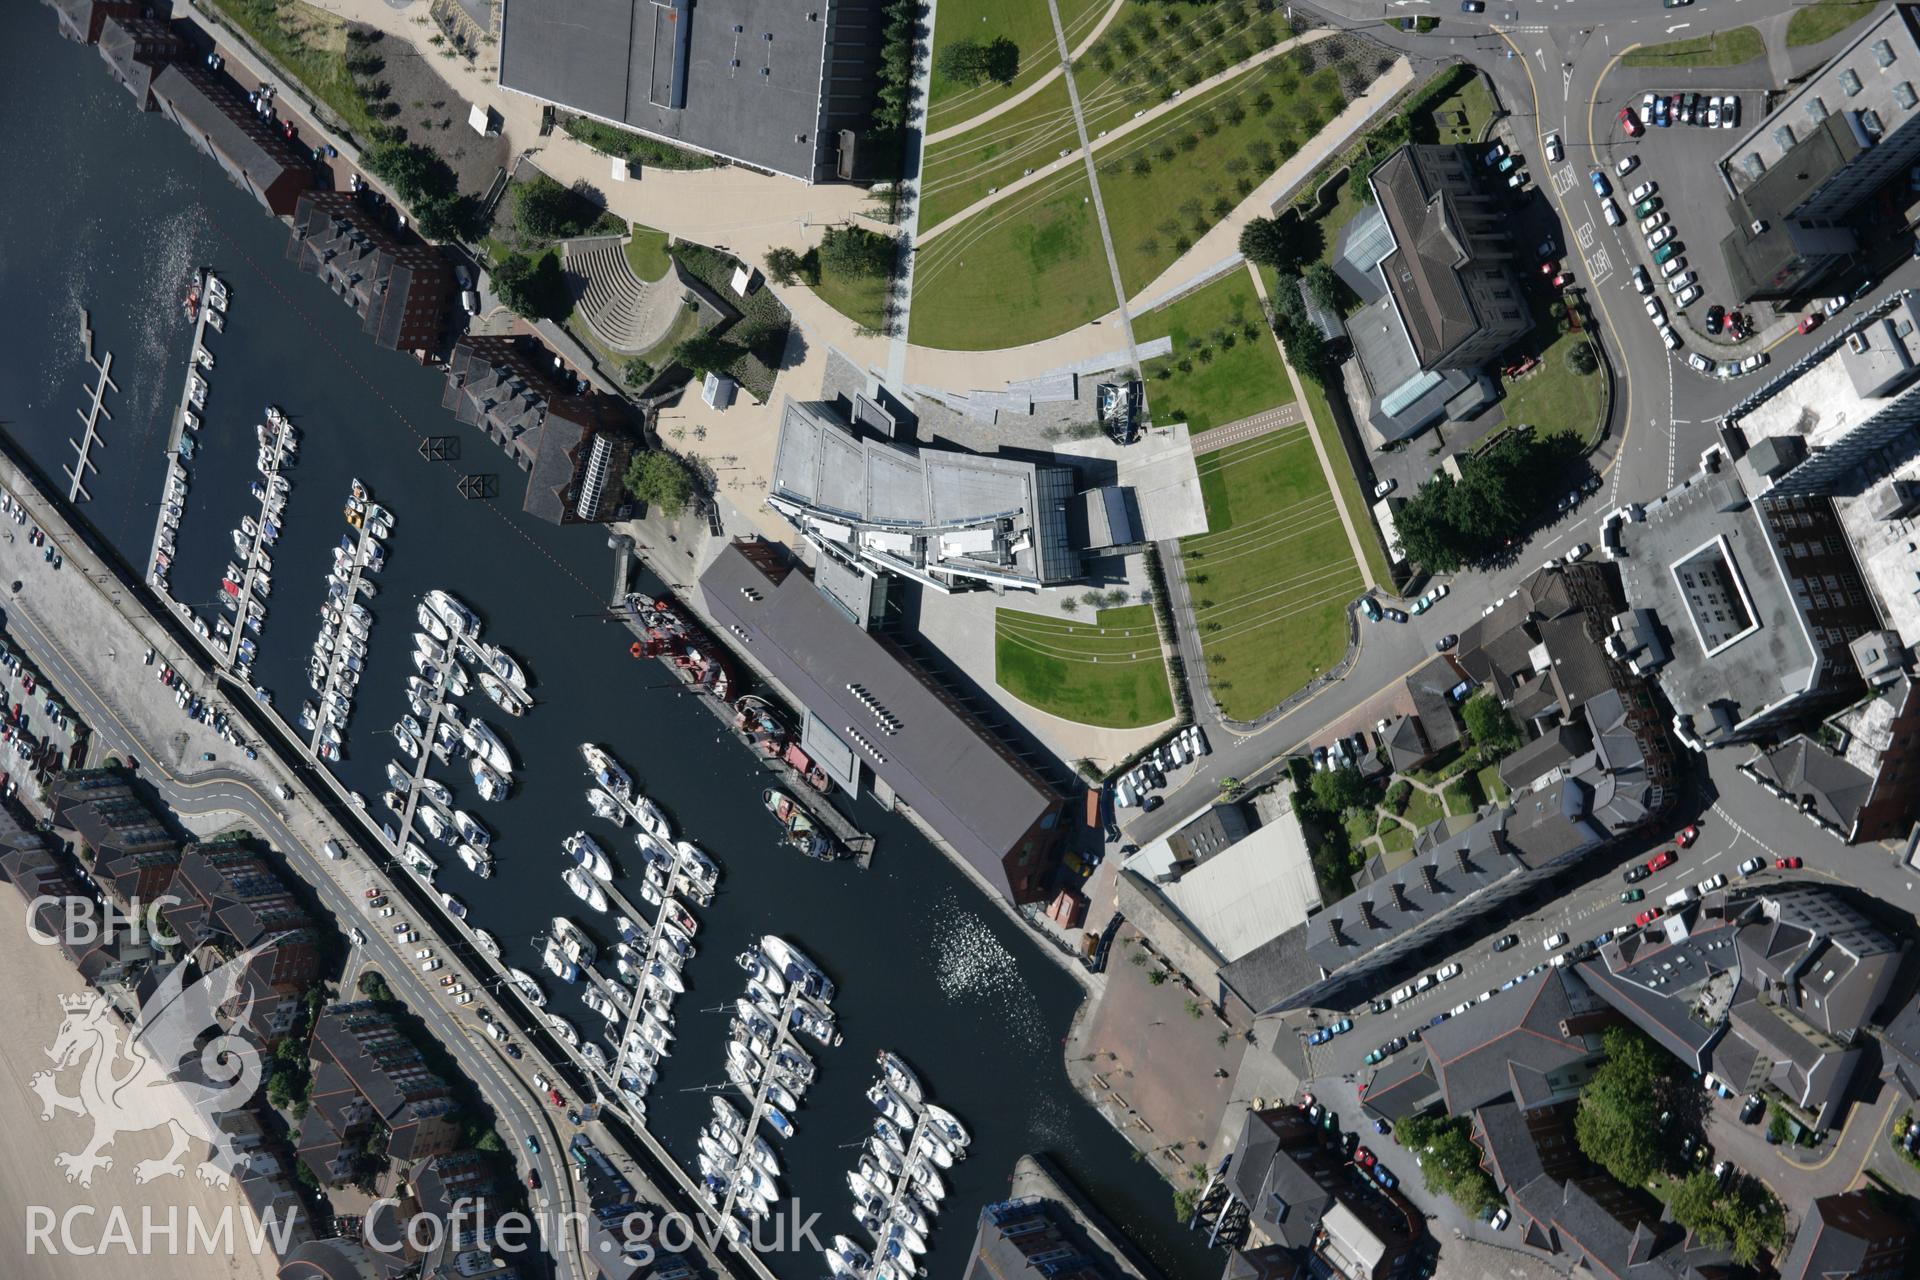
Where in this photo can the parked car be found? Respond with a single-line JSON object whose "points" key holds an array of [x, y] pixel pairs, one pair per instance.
{"points": [[1754, 362], [1611, 212], [1686, 836], [1787, 864], [1578, 552], [1699, 363], [1632, 895], [1669, 337], [1384, 488], [1711, 883], [1642, 282], [1555, 942], [1445, 642], [1648, 916], [1448, 971], [1642, 191], [1750, 866], [1660, 238], [1627, 164], [1506, 943], [1810, 321], [1661, 860], [1628, 123], [1601, 187], [1634, 875]]}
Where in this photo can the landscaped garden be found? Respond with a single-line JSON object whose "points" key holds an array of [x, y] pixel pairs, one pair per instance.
{"points": [[1109, 672], [1271, 579], [1224, 365]]}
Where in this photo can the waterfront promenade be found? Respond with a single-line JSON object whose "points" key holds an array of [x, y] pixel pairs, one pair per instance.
{"points": [[88, 630]]}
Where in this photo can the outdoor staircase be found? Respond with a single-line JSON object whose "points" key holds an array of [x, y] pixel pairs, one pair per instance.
{"points": [[625, 312]]}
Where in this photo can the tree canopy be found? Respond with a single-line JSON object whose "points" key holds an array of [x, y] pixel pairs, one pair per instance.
{"points": [[857, 252], [660, 480], [783, 264], [1617, 1125], [530, 288], [545, 210], [705, 352], [1449, 1160], [970, 62], [1281, 243], [1338, 790], [1743, 1214], [1448, 524], [1491, 725], [1306, 347]]}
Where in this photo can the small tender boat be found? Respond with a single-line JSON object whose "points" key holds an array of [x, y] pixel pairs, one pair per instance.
{"points": [[605, 807], [607, 771], [476, 861], [484, 940]]}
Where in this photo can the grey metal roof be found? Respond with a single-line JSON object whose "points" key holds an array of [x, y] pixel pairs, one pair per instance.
{"points": [[751, 75], [946, 767], [1473, 1054], [1839, 1234], [225, 119], [1773, 661], [1271, 971], [1422, 273]]}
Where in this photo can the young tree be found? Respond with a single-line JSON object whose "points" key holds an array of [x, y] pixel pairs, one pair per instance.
{"points": [[1582, 359], [660, 480], [783, 265], [1491, 725], [637, 374]]}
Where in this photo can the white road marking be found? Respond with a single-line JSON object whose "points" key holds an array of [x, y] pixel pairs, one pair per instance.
{"points": [[1563, 179], [1678, 26]]}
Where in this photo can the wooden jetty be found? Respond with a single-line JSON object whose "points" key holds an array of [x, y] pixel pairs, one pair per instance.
{"points": [[90, 416]]}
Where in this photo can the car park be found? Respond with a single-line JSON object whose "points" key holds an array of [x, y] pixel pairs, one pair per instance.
{"points": [[1787, 864], [1642, 282]]}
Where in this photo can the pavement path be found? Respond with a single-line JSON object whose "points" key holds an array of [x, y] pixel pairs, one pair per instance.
{"points": [[1008, 104], [1260, 424]]}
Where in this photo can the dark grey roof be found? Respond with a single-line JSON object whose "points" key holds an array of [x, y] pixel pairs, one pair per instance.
{"points": [[1808, 772], [966, 785], [1545, 753], [1406, 745], [1462, 867], [1423, 271], [1429, 687], [1403, 1085], [1283, 1198], [1551, 823], [1526, 1027], [1656, 983], [1901, 1042], [216, 112], [1271, 971], [1840, 1233], [731, 77]]}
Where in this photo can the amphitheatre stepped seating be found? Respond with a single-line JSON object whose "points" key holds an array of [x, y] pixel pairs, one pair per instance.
{"points": [[625, 312]]}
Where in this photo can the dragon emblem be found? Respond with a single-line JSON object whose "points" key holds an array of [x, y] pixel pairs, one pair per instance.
{"points": [[159, 1074]]}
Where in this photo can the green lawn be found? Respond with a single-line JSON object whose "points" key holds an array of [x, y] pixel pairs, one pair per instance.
{"points": [[962, 169], [1320, 415], [1471, 100], [1232, 368], [647, 252], [1360, 824], [1271, 579], [1109, 672], [1825, 18], [1033, 270], [1423, 810], [1490, 785], [1721, 49], [1024, 22], [1395, 837], [1553, 397], [862, 299], [1167, 185]]}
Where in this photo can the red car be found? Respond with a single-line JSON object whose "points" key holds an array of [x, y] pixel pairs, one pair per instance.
{"points": [[1787, 864], [1661, 860], [1363, 1158], [553, 1096], [1687, 835], [1629, 122], [533, 1179], [1809, 322], [373, 893], [1648, 916]]}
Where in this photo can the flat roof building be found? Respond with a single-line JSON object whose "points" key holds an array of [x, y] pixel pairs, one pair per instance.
{"points": [[766, 85], [924, 750], [941, 517], [1806, 169]]}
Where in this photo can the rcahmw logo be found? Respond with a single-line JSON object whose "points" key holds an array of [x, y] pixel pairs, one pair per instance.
{"points": [[88, 1231]]}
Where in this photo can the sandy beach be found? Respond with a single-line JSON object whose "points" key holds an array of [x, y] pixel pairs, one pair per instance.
{"points": [[34, 1190]]}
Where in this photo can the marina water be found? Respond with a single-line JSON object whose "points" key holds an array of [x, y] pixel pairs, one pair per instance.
{"points": [[109, 209]]}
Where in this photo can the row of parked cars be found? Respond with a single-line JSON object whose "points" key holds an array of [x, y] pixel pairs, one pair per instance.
{"points": [[1136, 784]]}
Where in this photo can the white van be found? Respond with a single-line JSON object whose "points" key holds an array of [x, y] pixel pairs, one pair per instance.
{"points": [[497, 1031], [1681, 897], [334, 850], [1123, 796]]}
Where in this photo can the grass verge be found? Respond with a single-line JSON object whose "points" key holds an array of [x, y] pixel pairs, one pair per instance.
{"points": [[647, 252], [1028, 25], [861, 299], [1224, 365], [1553, 397], [1825, 18], [1109, 673], [1727, 48], [312, 45]]}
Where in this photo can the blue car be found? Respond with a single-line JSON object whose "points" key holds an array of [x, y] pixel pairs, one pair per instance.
{"points": [[533, 1144], [1343, 1026], [1320, 1037], [1385, 1179], [1439, 1018], [1601, 187]]}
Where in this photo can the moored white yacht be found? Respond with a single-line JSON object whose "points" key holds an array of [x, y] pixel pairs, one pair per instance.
{"points": [[490, 785], [584, 888], [587, 855]]}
